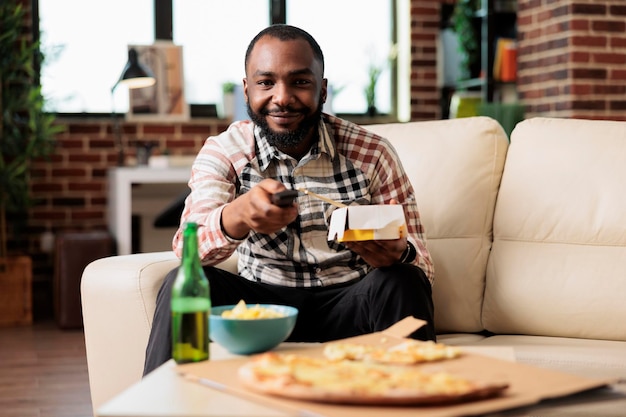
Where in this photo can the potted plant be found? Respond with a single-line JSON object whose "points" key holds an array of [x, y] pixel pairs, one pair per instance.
{"points": [[26, 134], [374, 70], [373, 73], [463, 19], [228, 99]]}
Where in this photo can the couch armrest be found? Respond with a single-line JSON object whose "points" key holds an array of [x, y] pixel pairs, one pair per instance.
{"points": [[118, 296], [118, 299]]}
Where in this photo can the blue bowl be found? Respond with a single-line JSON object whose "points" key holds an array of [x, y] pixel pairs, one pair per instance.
{"points": [[245, 337]]}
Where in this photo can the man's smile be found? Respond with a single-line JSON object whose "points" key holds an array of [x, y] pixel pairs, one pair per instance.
{"points": [[284, 118]]}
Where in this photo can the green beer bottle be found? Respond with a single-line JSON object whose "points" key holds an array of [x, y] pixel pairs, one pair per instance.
{"points": [[190, 304]]}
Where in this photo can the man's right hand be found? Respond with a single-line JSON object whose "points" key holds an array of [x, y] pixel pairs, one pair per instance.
{"points": [[254, 211]]}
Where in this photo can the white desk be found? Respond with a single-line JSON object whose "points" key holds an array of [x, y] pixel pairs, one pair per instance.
{"points": [[121, 180]]}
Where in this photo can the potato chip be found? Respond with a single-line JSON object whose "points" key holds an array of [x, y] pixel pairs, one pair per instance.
{"points": [[243, 312]]}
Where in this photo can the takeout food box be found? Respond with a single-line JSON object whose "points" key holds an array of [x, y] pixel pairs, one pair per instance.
{"points": [[528, 385], [377, 222]]}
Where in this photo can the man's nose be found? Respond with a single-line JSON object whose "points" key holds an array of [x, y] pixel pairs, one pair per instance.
{"points": [[283, 94]]}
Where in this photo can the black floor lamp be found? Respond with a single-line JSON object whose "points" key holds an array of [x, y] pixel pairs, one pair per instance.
{"points": [[133, 76]]}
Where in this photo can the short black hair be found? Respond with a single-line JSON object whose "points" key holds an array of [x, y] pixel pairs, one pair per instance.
{"points": [[286, 33]]}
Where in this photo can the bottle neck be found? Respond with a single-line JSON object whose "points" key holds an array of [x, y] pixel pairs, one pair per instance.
{"points": [[191, 258]]}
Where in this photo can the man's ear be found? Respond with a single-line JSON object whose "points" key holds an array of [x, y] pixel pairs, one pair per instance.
{"points": [[245, 89], [324, 89]]}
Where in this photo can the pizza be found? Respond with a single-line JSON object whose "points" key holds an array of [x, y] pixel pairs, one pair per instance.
{"points": [[408, 352], [358, 382]]}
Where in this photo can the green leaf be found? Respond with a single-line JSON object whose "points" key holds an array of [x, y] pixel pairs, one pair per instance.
{"points": [[27, 132]]}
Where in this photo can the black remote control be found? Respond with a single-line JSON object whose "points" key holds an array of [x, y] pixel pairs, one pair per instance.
{"points": [[284, 198]]}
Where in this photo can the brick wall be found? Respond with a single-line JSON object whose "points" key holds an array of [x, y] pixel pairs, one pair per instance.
{"points": [[425, 96], [70, 188], [572, 56]]}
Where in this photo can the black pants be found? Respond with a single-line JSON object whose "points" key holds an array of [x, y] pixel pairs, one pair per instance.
{"points": [[378, 300]]}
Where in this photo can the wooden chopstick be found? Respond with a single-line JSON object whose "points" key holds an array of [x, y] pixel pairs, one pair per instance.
{"points": [[328, 200]]}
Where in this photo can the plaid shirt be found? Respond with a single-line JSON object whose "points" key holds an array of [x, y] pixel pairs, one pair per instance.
{"points": [[347, 164]]}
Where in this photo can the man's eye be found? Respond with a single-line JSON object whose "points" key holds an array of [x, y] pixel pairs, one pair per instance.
{"points": [[265, 83], [302, 82]]}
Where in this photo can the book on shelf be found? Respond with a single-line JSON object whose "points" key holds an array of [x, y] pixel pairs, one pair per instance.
{"points": [[505, 60]]}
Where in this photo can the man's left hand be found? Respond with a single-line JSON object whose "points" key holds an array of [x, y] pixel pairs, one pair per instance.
{"points": [[379, 253]]}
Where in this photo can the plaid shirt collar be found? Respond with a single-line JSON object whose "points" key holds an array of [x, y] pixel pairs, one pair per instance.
{"points": [[266, 152]]}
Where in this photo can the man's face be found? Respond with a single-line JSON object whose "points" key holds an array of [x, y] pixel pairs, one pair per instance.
{"points": [[285, 91]]}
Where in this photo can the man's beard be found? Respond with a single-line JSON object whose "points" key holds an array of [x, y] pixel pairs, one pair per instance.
{"points": [[292, 138]]}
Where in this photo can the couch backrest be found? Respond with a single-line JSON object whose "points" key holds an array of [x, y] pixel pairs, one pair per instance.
{"points": [[455, 167], [558, 262]]}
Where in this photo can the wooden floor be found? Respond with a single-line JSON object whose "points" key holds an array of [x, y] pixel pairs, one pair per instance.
{"points": [[43, 372]]}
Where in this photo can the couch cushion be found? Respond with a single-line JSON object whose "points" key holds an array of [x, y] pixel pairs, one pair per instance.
{"points": [[455, 167], [558, 262]]}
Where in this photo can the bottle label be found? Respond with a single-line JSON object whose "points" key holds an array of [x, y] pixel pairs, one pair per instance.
{"points": [[190, 304]]}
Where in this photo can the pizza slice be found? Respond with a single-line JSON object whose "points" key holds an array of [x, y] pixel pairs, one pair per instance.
{"points": [[408, 352]]}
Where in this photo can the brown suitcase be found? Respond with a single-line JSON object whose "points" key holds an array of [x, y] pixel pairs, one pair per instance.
{"points": [[74, 251]]}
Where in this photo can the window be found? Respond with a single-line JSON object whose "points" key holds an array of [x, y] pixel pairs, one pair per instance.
{"points": [[215, 35], [85, 50], [85, 55], [353, 38]]}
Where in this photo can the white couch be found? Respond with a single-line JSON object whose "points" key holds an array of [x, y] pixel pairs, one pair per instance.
{"points": [[528, 240]]}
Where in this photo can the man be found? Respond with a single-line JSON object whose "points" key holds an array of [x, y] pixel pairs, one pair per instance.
{"points": [[340, 289]]}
